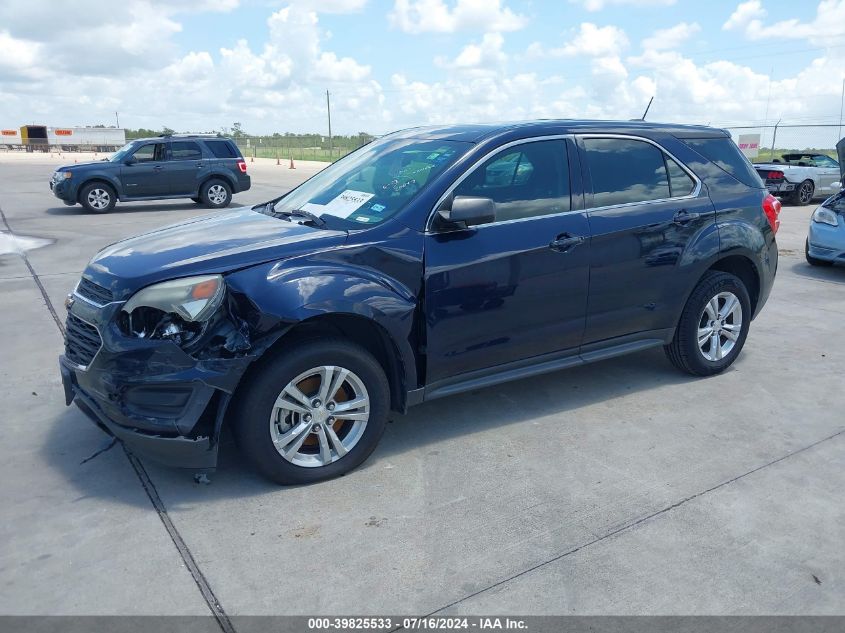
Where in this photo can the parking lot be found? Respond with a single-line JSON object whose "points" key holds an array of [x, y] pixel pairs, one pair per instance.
{"points": [[624, 487]]}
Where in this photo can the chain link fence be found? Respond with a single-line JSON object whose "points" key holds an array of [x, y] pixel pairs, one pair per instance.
{"points": [[785, 138], [300, 147]]}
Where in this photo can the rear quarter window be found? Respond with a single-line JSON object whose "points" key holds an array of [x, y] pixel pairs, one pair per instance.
{"points": [[222, 149], [726, 155]]}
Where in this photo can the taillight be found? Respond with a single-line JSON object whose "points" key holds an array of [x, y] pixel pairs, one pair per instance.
{"points": [[771, 207], [242, 166], [774, 175]]}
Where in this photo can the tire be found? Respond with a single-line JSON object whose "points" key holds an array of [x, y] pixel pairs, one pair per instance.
{"points": [[97, 197], [685, 352], [812, 260], [216, 193], [339, 445], [803, 193]]}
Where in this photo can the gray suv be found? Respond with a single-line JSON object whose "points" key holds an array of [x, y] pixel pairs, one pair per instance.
{"points": [[206, 169]]}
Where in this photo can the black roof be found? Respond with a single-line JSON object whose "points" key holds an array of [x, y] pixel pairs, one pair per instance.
{"points": [[480, 131]]}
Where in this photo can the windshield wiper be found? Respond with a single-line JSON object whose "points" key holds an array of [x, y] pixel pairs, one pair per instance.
{"points": [[301, 213]]}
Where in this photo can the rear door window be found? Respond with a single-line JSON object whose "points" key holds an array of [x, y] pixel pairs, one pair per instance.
{"points": [[185, 150], [625, 171], [726, 155]]}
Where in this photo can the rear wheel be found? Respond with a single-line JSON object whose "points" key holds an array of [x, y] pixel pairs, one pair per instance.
{"points": [[812, 260], [216, 194], [97, 197], [314, 412], [713, 326], [804, 193]]}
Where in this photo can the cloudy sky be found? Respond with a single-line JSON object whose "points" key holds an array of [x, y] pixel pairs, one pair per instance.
{"points": [[201, 65]]}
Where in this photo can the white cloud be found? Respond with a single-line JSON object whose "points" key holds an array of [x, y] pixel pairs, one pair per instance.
{"points": [[594, 40], [487, 54], [826, 27], [672, 37], [598, 5], [421, 16]]}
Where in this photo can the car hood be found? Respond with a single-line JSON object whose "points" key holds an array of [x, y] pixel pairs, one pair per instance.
{"points": [[840, 150], [216, 243], [95, 163]]}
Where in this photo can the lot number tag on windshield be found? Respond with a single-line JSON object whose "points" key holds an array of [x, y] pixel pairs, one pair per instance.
{"points": [[347, 203]]}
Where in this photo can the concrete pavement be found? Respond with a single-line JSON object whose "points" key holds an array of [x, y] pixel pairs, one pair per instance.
{"points": [[622, 487]]}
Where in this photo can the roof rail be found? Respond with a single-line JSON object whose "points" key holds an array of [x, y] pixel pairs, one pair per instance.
{"points": [[187, 135]]}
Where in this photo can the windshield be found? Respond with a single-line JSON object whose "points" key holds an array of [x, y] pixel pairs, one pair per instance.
{"points": [[373, 183], [124, 151]]}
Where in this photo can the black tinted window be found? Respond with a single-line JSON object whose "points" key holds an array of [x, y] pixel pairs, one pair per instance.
{"points": [[185, 150], [727, 156], [680, 182], [222, 149], [527, 180], [625, 171]]}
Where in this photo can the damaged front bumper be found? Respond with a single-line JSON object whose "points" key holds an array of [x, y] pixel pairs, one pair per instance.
{"points": [[160, 401]]}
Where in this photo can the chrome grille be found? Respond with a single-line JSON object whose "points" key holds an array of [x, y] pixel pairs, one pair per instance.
{"points": [[94, 292], [82, 341]]}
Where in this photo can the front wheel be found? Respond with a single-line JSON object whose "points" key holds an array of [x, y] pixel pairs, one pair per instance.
{"points": [[313, 412], [713, 326], [97, 197], [216, 194]]}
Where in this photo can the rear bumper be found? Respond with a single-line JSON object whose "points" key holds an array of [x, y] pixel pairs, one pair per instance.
{"points": [[780, 188], [244, 182]]}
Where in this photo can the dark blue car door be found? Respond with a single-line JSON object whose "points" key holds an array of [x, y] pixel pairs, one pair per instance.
{"points": [[645, 210], [187, 167], [145, 175], [517, 287]]}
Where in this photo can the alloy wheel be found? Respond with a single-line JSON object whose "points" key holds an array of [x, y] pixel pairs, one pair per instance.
{"points": [[99, 198], [217, 194], [805, 193], [319, 416], [719, 326]]}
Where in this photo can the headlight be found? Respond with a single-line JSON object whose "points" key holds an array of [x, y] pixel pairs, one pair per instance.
{"points": [[63, 175], [825, 216], [193, 299]]}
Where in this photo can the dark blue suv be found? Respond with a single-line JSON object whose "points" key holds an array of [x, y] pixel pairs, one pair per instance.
{"points": [[427, 263], [206, 169]]}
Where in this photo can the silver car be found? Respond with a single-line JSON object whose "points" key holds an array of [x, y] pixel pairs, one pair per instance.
{"points": [[801, 177], [825, 243]]}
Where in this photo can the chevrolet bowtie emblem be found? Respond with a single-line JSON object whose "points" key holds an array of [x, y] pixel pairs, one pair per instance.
{"points": [[69, 301]]}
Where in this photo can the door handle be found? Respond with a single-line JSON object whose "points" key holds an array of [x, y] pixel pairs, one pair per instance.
{"points": [[199, 165], [683, 217], [563, 243], [157, 168]]}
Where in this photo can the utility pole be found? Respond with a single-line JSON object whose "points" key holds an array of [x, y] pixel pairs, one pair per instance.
{"points": [[117, 119], [841, 104], [329, 113]]}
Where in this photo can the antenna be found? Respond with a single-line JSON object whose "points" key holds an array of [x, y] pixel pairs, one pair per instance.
{"points": [[647, 107]]}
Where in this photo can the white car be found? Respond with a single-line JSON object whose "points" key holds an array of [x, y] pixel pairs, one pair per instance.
{"points": [[799, 178]]}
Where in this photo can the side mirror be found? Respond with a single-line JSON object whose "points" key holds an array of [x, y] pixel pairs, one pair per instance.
{"points": [[130, 161], [469, 211]]}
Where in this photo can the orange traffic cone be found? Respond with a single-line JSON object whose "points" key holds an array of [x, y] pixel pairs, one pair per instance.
{"points": [[291, 163]]}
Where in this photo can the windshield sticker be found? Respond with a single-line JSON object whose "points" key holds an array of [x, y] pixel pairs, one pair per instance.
{"points": [[378, 208], [362, 218], [347, 203]]}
